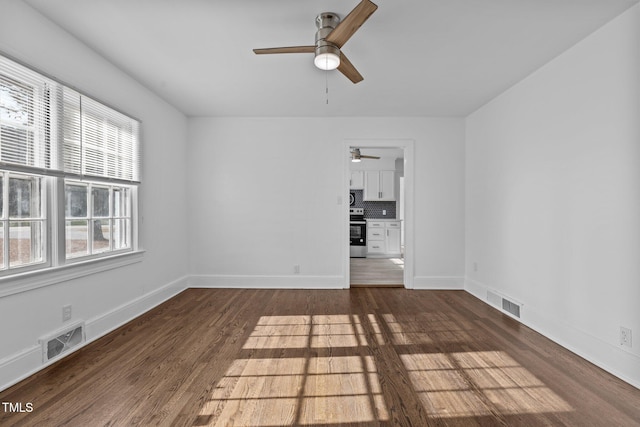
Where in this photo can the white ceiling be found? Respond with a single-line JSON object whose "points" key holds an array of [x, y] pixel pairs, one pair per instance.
{"points": [[418, 57]]}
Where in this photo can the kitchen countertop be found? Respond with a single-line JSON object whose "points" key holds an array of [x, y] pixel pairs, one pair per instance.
{"points": [[382, 219]]}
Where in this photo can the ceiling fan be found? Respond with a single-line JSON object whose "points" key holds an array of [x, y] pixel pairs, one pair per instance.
{"points": [[356, 156], [332, 34]]}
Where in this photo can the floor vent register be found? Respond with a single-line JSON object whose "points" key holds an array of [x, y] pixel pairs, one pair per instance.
{"points": [[62, 341], [503, 303]]}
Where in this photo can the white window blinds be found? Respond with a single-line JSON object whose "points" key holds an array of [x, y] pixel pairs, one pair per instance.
{"points": [[99, 142], [26, 118], [52, 129]]}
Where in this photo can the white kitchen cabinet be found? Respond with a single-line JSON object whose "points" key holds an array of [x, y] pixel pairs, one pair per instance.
{"points": [[392, 238], [356, 182], [372, 223], [375, 238], [371, 185], [383, 239], [379, 186]]}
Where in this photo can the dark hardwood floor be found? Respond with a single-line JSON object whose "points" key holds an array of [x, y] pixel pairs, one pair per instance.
{"points": [[359, 357]]}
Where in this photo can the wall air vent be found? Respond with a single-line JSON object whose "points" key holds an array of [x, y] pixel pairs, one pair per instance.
{"points": [[503, 303], [62, 341], [511, 307]]}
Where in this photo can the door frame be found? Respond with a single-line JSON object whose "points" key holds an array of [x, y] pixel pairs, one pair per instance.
{"points": [[407, 145]]}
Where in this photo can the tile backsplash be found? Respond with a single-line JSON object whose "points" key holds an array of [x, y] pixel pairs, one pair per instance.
{"points": [[373, 210]]}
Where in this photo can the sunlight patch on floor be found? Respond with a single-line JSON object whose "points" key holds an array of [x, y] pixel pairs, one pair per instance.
{"points": [[299, 390], [461, 385], [320, 331], [319, 389], [398, 261]]}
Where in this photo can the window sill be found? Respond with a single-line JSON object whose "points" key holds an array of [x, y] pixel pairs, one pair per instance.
{"points": [[49, 276]]}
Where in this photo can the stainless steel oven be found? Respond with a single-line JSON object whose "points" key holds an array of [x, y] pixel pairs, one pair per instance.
{"points": [[357, 233]]}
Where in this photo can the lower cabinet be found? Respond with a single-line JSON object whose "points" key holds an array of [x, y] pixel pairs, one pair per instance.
{"points": [[393, 238], [375, 238], [383, 239]]}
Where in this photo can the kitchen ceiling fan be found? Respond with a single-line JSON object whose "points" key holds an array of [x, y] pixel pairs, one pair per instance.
{"points": [[332, 34], [356, 156]]}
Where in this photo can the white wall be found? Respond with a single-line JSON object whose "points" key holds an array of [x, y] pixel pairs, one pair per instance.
{"points": [[109, 298], [553, 205], [264, 197]]}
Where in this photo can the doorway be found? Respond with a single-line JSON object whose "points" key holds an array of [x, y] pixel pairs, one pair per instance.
{"points": [[388, 259]]}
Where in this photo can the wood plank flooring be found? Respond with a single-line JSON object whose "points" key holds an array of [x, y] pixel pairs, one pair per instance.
{"points": [[358, 357], [376, 271]]}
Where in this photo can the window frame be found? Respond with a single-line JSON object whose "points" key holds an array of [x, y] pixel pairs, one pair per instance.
{"points": [[91, 216], [47, 127], [6, 219]]}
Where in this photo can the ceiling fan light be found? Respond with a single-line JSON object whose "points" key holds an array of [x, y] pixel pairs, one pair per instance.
{"points": [[355, 156], [327, 61], [327, 56]]}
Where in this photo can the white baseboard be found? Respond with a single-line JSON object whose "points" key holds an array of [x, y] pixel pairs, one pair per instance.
{"points": [[438, 283], [296, 281], [19, 366], [611, 358], [105, 323]]}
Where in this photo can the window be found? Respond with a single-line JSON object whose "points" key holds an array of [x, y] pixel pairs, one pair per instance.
{"points": [[23, 225], [97, 218], [69, 173]]}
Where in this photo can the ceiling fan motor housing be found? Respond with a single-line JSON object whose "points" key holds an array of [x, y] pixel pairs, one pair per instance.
{"points": [[326, 22]]}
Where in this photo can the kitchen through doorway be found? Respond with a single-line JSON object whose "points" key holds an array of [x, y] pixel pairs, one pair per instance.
{"points": [[376, 189]]}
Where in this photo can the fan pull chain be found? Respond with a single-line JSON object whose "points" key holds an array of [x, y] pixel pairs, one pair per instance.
{"points": [[326, 85]]}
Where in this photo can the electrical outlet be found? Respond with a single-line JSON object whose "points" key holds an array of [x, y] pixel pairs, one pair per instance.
{"points": [[475, 266], [296, 269], [625, 336], [66, 313]]}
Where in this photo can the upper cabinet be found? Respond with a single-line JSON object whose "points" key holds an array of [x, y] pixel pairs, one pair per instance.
{"points": [[379, 186], [356, 181]]}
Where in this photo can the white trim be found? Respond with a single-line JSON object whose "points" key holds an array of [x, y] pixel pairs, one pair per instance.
{"points": [[51, 275], [20, 366], [266, 282], [346, 238], [439, 283], [105, 323], [612, 358], [27, 362], [408, 146]]}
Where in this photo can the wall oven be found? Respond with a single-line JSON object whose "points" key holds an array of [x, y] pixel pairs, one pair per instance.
{"points": [[357, 233]]}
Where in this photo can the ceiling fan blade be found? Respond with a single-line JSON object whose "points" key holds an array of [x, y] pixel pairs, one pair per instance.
{"points": [[347, 68], [290, 49], [349, 25], [362, 156]]}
